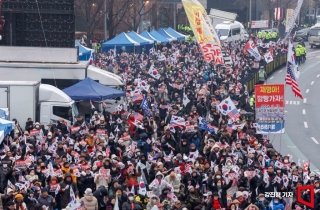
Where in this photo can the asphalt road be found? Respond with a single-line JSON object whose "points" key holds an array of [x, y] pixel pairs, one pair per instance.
{"points": [[302, 126]]}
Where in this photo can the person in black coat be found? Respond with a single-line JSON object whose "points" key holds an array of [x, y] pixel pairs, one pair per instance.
{"points": [[221, 188], [29, 125], [99, 195], [184, 148], [86, 181], [12, 176]]}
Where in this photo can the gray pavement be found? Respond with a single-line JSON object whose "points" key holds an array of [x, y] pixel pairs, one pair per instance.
{"points": [[302, 137]]}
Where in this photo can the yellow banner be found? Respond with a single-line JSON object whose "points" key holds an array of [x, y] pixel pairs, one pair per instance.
{"points": [[288, 16], [205, 34]]}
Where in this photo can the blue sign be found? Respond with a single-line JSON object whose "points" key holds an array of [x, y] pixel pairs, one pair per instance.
{"points": [[272, 127]]}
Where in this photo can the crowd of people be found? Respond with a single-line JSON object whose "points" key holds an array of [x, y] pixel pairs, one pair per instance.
{"points": [[171, 149]]}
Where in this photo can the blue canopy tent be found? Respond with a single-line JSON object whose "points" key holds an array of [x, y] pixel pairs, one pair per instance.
{"points": [[5, 128], [166, 35], [147, 44], [4, 112], [159, 37], [89, 89], [176, 34], [84, 52], [122, 42], [147, 35]]}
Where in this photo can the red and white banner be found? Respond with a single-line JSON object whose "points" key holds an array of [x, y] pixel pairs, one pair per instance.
{"points": [[260, 24]]}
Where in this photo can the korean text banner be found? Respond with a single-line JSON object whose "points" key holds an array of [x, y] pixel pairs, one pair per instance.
{"points": [[270, 110], [205, 34]]}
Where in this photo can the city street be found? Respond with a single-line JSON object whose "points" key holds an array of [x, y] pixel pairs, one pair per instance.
{"points": [[301, 115]]}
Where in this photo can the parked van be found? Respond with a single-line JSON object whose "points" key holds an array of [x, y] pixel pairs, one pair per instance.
{"points": [[231, 31], [314, 36]]}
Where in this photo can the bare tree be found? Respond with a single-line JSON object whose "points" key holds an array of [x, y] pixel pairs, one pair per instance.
{"points": [[92, 13], [117, 11], [137, 11]]}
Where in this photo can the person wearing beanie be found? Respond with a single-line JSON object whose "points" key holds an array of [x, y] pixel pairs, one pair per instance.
{"points": [[45, 199], [31, 200], [89, 200], [19, 204]]}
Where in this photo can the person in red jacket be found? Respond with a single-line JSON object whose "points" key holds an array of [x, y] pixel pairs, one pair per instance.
{"points": [[215, 203], [131, 123]]}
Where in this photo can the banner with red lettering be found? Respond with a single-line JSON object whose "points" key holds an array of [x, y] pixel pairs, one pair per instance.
{"points": [[270, 108], [203, 31]]}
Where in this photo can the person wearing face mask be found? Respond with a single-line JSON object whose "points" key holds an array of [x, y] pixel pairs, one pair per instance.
{"points": [[158, 184], [262, 203], [32, 176], [152, 202], [90, 202], [131, 204]]}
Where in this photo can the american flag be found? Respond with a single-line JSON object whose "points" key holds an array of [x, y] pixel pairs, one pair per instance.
{"points": [[291, 80], [138, 116], [234, 114]]}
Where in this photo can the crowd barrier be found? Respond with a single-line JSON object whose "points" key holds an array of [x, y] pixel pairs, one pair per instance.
{"points": [[253, 78]]}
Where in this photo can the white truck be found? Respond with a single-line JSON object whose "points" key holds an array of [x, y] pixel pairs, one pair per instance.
{"points": [[219, 16], [41, 102], [58, 67]]}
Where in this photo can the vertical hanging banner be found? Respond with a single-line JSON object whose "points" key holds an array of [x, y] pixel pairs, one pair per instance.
{"points": [[270, 110], [205, 34]]}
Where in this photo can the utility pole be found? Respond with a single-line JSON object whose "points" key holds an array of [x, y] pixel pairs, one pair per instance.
{"points": [[105, 21], [250, 10], [174, 16]]}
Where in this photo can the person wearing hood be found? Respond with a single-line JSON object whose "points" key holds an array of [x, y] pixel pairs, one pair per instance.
{"points": [[262, 203], [168, 142], [46, 199], [158, 184], [64, 191], [214, 154], [164, 195], [100, 195], [101, 180], [98, 162], [152, 202], [276, 204], [174, 181], [184, 148], [60, 150], [67, 169], [90, 202], [195, 139], [131, 204]]}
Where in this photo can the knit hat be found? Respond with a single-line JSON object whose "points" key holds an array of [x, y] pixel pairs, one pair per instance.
{"points": [[238, 194], [88, 190], [19, 196]]}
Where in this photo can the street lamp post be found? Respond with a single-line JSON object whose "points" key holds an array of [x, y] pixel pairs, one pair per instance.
{"points": [[105, 20]]}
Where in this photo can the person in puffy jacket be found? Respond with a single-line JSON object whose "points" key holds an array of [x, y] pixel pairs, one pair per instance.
{"points": [[90, 202], [131, 204], [99, 194]]}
